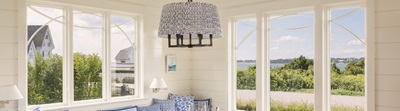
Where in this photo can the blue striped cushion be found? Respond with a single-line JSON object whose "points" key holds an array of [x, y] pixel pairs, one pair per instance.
{"points": [[154, 107], [132, 108]]}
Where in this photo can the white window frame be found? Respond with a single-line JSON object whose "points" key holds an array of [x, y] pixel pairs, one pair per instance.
{"points": [[321, 58], [68, 76], [234, 53]]}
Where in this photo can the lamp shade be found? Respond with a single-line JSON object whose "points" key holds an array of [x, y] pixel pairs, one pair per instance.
{"points": [[190, 18], [8, 93], [158, 83]]}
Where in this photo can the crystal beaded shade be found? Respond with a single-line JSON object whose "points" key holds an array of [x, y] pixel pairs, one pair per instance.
{"points": [[190, 18]]}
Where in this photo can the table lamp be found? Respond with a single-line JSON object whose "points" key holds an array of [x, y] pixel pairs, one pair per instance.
{"points": [[9, 93], [157, 84]]}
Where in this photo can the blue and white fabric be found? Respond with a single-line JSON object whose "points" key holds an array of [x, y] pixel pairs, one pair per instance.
{"points": [[132, 108], [154, 107], [183, 103], [165, 105], [199, 104], [36, 109]]}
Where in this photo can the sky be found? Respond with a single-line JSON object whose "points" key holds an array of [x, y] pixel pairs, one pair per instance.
{"points": [[85, 40], [286, 44], [283, 43]]}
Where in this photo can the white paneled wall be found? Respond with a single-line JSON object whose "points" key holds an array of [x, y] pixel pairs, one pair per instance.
{"points": [[387, 55], [154, 51], [204, 71], [210, 72], [8, 45]]}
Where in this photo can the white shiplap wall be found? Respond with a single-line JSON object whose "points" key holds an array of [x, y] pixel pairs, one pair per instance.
{"points": [[203, 71], [210, 70], [8, 45], [154, 50], [387, 43]]}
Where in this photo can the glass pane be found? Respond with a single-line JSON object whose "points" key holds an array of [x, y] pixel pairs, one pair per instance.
{"points": [[44, 55], [291, 62], [122, 56], [347, 38], [87, 48], [246, 64]]}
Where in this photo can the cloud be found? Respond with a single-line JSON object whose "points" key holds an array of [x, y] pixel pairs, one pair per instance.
{"points": [[352, 51], [289, 38], [253, 45], [274, 48], [355, 42]]}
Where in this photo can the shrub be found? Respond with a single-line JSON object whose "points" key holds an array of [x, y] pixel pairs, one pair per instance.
{"points": [[298, 74], [250, 105]]}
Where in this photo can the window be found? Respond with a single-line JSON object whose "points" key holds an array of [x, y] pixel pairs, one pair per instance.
{"points": [[123, 49], [96, 39], [45, 74], [310, 60], [245, 63], [88, 59], [291, 42], [347, 53]]}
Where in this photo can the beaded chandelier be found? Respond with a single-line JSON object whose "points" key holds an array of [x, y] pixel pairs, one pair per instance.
{"points": [[189, 20]]}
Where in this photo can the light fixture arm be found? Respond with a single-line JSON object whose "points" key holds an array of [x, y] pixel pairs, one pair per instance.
{"points": [[179, 41], [3, 103]]}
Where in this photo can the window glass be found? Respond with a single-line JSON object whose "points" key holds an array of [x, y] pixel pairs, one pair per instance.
{"points": [[347, 53], [246, 64], [292, 62], [123, 56], [44, 69], [87, 47]]}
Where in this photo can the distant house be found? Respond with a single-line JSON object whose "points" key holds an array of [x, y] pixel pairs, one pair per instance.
{"points": [[41, 43], [124, 70], [125, 56]]}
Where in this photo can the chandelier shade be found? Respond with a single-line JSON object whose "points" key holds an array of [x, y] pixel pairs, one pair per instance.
{"points": [[181, 20]]}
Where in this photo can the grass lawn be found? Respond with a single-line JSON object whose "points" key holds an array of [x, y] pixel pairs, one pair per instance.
{"points": [[279, 106], [335, 92]]}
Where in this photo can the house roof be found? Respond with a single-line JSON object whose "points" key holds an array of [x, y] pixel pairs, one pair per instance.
{"points": [[38, 39], [124, 54]]}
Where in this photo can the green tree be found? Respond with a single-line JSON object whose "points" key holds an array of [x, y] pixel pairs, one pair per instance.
{"points": [[335, 69], [45, 80], [87, 76], [246, 79], [354, 68], [299, 63]]}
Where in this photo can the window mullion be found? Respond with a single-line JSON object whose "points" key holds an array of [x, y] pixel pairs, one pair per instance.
{"points": [[139, 89], [321, 85], [267, 66], [107, 61], [69, 56], [260, 72]]}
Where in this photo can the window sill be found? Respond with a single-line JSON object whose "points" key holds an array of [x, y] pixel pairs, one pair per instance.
{"points": [[86, 104]]}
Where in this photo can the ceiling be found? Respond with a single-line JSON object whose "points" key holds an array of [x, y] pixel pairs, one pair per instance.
{"points": [[220, 3]]}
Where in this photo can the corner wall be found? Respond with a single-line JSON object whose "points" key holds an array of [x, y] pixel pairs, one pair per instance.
{"points": [[154, 51], [8, 45], [210, 70], [387, 42]]}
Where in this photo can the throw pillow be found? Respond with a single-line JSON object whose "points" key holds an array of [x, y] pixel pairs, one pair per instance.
{"points": [[183, 103], [36, 109], [165, 105], [199, 104], [132, 108], [154, 107]]}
